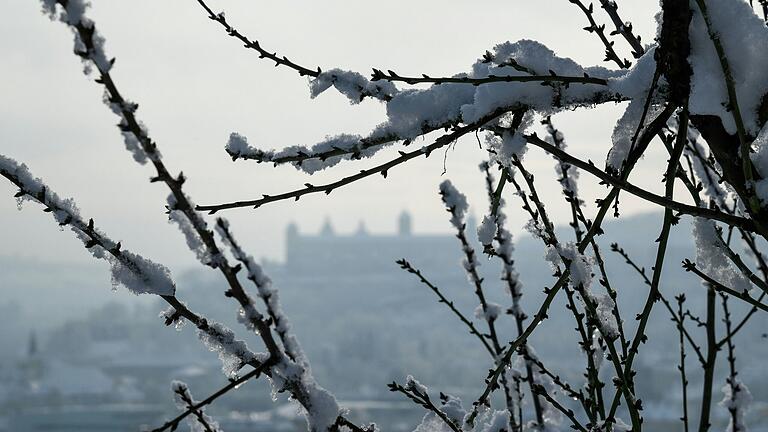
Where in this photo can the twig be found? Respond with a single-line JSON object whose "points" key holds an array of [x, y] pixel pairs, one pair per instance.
{"points": [[92, 237], [210, 399], [599, 30], [731, 380], [595, 385], [421, 398], [623, 28], [709, 366], [566, 411], [254, 45]]}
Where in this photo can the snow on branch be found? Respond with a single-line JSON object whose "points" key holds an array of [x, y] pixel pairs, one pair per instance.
{"points": [[418, 393], [551, 78], [197, 406], [415, 112], [711, 255], [737, 400], [137, 274], [494, 228], [455, 202], [324, 154]]}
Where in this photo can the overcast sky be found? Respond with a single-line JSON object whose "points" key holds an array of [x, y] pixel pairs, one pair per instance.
{"points": [[195, 85]]}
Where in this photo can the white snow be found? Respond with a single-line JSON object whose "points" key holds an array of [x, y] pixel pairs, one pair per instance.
{"points": [[736, 397], [489, 313], [712, 258], [581, 278], [635, 83], [487, 230], [744, 37], [352, 85], [453, 409], [625, 129], [73, 15], [414, 385], [579, 264], [712, 188], [498, 422], [539, 59], [321, 408], [510, 144], [456, 203], [141, 276], [410, 110], [238, 147]]}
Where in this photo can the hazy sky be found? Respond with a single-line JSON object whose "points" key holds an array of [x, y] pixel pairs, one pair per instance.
{"points": [[195, 85]]}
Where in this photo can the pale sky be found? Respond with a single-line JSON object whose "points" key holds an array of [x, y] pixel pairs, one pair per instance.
{"points": [[195, 85]]}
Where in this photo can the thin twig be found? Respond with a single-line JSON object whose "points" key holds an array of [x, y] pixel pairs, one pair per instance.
{"points": [[405, 265], [552, 78], [254, 45]]}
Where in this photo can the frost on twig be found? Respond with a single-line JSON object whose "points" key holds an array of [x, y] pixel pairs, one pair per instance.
{"points": [[581, 277]]}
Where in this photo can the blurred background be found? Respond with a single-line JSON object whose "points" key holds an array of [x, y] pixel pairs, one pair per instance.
{"points": [[76, 355]]}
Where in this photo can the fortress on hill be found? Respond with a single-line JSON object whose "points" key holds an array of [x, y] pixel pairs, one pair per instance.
{"points": [[364, 253]]}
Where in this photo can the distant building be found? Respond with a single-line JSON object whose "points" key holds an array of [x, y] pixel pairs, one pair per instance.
{"points": [[362, 252]]}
